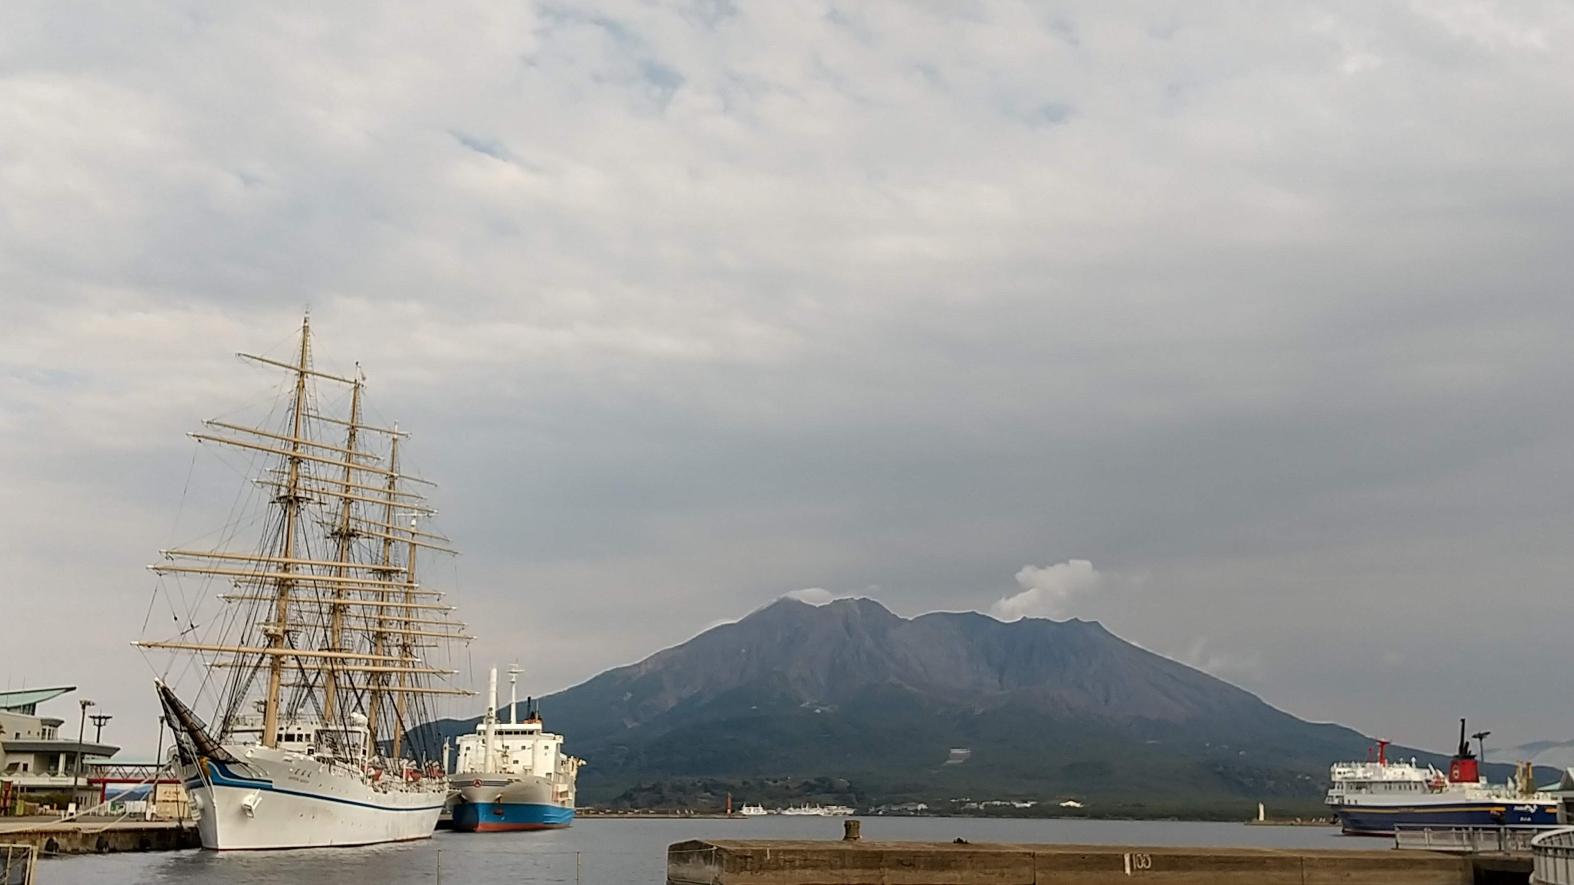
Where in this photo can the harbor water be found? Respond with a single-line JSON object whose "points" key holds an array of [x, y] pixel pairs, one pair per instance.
{"points": [[630, 851]]}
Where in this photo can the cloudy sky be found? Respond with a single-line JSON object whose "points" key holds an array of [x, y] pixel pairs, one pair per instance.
{"points": [[1241, 328]]}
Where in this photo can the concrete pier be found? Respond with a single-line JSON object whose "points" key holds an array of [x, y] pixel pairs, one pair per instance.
{"points": [[85, 836], [847, 862]]}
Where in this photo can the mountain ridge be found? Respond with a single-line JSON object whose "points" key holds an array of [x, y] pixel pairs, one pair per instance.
{"points": [[851, 690]]}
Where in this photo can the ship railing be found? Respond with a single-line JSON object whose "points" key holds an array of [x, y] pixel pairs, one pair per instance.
{"points": [[1508, 839], [1552, 857]]}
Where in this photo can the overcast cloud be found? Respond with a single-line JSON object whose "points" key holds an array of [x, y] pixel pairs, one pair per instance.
{"points": [[694, 304]]}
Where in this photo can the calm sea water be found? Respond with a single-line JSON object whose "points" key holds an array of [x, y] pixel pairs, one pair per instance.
{"points": [[627, 852]]}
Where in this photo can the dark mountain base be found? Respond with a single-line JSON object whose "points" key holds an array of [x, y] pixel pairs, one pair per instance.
{"points": [[711, 795]]}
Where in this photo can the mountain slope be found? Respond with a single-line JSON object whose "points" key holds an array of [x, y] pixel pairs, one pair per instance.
{"points": [[851, 690]]}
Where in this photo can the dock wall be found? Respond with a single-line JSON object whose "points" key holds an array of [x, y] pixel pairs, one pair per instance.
{"points": [[909, 863], [53, 838]]}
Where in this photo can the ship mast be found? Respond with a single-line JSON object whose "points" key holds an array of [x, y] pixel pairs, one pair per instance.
{"points": [[402, 698], [291, 501], [380, 632], [513, 693], [490, 739], [344, 536]]}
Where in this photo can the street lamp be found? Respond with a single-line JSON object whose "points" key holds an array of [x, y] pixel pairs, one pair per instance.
{"points": [[98, 724], [76, 775], [158, 757], [158, 773]]}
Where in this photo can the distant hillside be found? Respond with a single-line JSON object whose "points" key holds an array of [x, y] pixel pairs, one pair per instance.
{"points": [[1551, 754], [1044, 709]]}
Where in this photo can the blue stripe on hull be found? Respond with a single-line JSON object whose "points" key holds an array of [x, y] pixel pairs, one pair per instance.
{"points": [[488, 817], [221, 776], [1379, 821]]}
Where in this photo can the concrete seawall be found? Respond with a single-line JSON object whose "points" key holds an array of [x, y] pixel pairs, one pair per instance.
{"points": [[91, 837], [729, 862]]}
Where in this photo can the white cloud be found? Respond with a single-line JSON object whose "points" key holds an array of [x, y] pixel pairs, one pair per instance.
{"points": [[813, 595], [1047, 590]]}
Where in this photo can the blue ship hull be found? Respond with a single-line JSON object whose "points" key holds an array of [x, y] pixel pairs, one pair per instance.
{"points": [[494, 817], [1380, 821]]}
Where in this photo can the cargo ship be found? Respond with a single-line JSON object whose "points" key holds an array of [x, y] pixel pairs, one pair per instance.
{"points": [[513, 775], [1371, 798]]}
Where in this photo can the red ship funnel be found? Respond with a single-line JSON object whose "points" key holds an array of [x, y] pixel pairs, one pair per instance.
{"points": [[1382, 752], [1463, 769]]}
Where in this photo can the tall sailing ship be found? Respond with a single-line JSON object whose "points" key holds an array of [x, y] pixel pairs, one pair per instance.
{"points": [[320, 660]]}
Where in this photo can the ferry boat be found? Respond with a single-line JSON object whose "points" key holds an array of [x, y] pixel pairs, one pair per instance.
{"points": [[818, 810], [512, 776], [325, 647], [1371, 798], [753, 811]]}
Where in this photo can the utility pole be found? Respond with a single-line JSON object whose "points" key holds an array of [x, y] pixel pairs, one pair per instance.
{"points": [[98, 724]]}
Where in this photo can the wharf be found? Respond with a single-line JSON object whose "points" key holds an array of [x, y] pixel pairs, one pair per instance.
{"points": [[760, 862], [88, 835]]}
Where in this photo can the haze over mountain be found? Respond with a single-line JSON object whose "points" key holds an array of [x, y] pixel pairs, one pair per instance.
{"points": [[848, 689]]}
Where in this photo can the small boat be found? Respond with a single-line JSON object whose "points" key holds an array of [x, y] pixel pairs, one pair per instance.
{"points": [[514, 775], [1371, 798]]}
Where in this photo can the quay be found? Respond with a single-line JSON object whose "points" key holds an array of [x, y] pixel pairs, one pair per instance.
{"points": [[51, 836], [853, 862]]}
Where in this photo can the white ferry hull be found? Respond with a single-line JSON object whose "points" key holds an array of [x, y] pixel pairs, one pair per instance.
{"points": [[274, 799]]}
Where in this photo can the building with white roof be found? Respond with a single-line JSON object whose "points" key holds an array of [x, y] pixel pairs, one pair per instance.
{"points": [[37, 762]]}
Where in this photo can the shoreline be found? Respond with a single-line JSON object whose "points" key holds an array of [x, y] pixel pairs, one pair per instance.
{"points": [[584, 815]]}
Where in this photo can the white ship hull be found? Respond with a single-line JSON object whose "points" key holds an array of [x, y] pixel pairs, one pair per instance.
{"points": [[279, 799]]}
